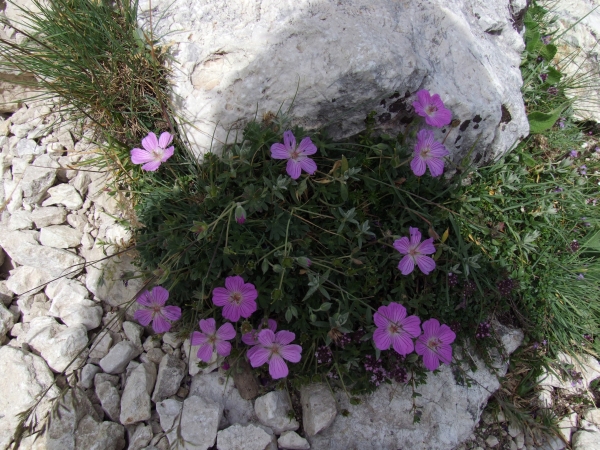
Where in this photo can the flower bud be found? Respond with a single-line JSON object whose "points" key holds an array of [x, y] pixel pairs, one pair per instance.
{"points": [[240, 214], [304, 262]]}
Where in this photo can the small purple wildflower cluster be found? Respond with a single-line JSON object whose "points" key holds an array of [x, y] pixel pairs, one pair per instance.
{"points": [[506, 286], [483, 330], [324, 355]]}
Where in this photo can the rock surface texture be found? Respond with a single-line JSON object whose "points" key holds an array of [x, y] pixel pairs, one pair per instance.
{"points": [[341, 60]]}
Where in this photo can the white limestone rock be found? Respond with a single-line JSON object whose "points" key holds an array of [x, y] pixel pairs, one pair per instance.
{"points": [[587, 365], [20, 220], [86, 378], [60, 236], [171, 371], [290, 440], [6, 295], [172, 339], [109, 399], [238, 437], [318, 408], [50, 215], [141, 437], [101, 345], [220, 389], [22, 247], [37, 180], [336, 61], [7, 321], [586, 440], [64, 194], [135, 402], [64, 351], [191, 354], [133, 332], [273, 410], [118, 357], [70, 303], [23, 376]]}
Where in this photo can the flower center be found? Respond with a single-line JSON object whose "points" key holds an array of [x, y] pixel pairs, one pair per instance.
{"points": [[395, 328], [275, 348], [236, 297], [212, 339], [431, 109], [425, 152], [295, 154], [433, 343], [156, 309]]}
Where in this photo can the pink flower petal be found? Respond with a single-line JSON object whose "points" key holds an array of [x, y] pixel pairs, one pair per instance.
{"points": [[289, 140], [249, 291], [208, 326], [436, 166], [293, 353], [160, 324], [231, 312], [220, 296], [425, 139], [406, 265], [272, 325], [415, 236], [396, 312], [446, 335], [444, 353], [382, 339], [150, 142], [430, 360], [247, 307], [424, 97], [151, 166], [420, 346], [418, 166], [234, 284], [381, 317], [143, 316], [307, 147], [412, 325], [425, 263], [172, 313], [308, 165], [165, 139], [293, 169], [402, 245], [250, 338], [159, 295], [266, 337], [205, 352], [438, 150], [403, 344], [167, 153], [139, 156], [223, 348], [198, 338], [430, 328], [258, 355], [284, 337], [145, 299], [277, 367], [426, 247], [226, 332], [278, 151]]}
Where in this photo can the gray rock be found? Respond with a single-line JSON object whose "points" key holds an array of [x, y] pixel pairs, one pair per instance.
{"points": [[36, 182], [86, 379], [586, 365], [170, 373], [20, 220], [81, 182], [290, 440], [168, 412], [141, 437], [92, 435], [60, 236], [172, 339], [7, 320], [135, 402], [151, 343], [118, 357], [109, 399], [23, 249], [133, 332], [220, 389], [273, 410], [46, 216], [101, 345], [70, 303], [23, 376], [492, 441], [105, 377], [6, 295], [238, 437], [154, 355], [318, 408], [227, 55], [64, 194]]}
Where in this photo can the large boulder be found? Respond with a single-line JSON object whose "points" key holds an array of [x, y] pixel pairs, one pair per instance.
{"points": [[579, 24], [333, 62]]}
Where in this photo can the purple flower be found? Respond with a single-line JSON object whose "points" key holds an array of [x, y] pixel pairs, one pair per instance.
{"points": [[553, 90], [251, 338], [415, 251], [394, 328], [573, 153], [154, 310], [544, 76], [155, 151], [297, 157], [432, 108], [428, 152], [434, 344], [583, 170], [237, 298], [546, 39], [274, 349], [210, 339], [240, 214], [580, 276]]}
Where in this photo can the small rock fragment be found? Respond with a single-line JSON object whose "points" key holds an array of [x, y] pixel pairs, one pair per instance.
{"points": [[318, 408]]}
